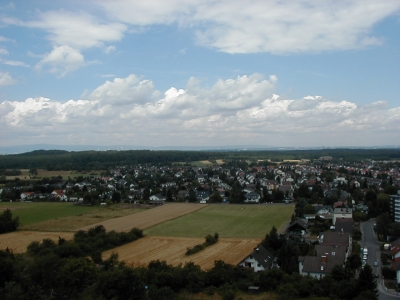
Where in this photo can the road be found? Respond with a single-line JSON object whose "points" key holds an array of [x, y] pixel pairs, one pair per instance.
{"points": [[374, 254]]}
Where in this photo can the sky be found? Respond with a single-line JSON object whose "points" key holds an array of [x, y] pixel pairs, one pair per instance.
{"points": [[162, 73]]}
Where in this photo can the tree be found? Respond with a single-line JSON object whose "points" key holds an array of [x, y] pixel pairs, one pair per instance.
{"points": [[120, 283], [116, 197], [146, 194], [216, 198], [309, 209], [383, 223], [7, 223], [271, 240], [169, 195], [367, 283], [33, 172]]}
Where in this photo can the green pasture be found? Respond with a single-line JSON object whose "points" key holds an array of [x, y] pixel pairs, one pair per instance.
{"points": [[230, 221], [33, 212]]}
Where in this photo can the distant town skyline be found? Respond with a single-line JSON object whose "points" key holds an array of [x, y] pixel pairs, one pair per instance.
{"points": [[200, 73]]}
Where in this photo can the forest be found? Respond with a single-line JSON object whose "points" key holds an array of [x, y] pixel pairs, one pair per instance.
{"points": [[101, 160]]}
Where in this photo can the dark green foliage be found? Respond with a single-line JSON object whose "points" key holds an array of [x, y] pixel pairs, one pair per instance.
{"points": [[367, 283], [6, 266], [194, 249], [271, 241], [388, 273], [96, 240], [7, 223], [210, 240], [122, 283]]}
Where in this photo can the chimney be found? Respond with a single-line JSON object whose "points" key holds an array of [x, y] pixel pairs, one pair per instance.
{"points": [[324, 259]]}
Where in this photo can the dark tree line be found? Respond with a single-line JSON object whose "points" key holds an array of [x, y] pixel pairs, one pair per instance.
{"points": [[101, 160]]}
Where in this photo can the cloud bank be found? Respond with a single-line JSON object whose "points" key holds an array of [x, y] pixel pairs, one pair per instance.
{"points": [[241, 110], [253, 26]]}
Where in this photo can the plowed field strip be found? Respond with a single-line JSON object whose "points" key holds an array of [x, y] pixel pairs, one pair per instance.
{"points": [[18, 241], [172, 250], [148, 218]]}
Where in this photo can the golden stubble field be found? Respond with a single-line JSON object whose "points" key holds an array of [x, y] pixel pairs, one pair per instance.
{"points": [[173, 249], [17, 241]]}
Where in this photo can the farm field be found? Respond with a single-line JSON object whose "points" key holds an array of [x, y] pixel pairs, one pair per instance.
{"points": [[230, 221], [33, 212], [173, 249], [149, 217], [17, 241], [85, 219]]}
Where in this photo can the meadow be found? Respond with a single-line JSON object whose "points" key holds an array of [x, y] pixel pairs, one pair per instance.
{"points": [[34, 212], [230, 221]]}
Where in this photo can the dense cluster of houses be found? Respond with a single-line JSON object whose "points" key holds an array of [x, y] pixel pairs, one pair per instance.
{"points": [[254, 181]]}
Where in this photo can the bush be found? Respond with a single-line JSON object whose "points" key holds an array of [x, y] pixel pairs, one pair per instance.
{"points": [[388, 273], [210, 240]]}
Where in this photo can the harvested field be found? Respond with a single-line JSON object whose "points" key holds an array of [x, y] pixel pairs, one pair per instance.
{"points": [[149, 218], [17, 241], [172, 250]]}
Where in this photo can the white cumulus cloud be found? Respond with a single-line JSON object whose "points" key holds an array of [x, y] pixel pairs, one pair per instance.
{"points": [[61, 60], [241, 110]]}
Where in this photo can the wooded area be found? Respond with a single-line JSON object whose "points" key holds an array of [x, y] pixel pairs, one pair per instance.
{"points": [[100, 160]]}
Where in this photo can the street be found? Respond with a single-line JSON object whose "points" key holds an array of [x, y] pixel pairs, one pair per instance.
{"points": [[370, 241]]}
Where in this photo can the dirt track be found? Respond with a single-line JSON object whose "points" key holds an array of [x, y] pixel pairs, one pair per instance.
{"points": [[17, 241], [172, 250], [148, 218]]}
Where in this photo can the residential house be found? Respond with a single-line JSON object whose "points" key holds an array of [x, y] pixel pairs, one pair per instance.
{"points": [[27, 196], [344, 225], [334, 248], [298, 227], [252, 197], [59, 195], [202, 196], [157, 197], [342, 213], [259, 260]]}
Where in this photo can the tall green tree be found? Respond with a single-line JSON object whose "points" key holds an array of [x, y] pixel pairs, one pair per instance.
{"points": [[7, 222], [367, 283]]}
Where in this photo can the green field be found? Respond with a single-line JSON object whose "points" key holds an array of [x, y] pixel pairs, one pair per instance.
{"points": [[33, 212], [230, 221]]}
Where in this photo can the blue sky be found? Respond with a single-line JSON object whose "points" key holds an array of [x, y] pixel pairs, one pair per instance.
{"points": [[200, 73]]}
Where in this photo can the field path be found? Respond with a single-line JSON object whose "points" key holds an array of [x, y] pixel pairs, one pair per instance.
{"points": [[149, 217], [173, 249], [17, 241]]}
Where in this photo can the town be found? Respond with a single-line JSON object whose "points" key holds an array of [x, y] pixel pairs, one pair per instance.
{"points": [[346, 214]]}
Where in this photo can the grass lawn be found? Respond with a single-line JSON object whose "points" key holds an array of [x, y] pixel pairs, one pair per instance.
{"points": [[33, 212], [230, 221]]}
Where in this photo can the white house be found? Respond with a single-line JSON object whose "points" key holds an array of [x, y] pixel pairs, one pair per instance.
{"points": [[259, 260]]}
